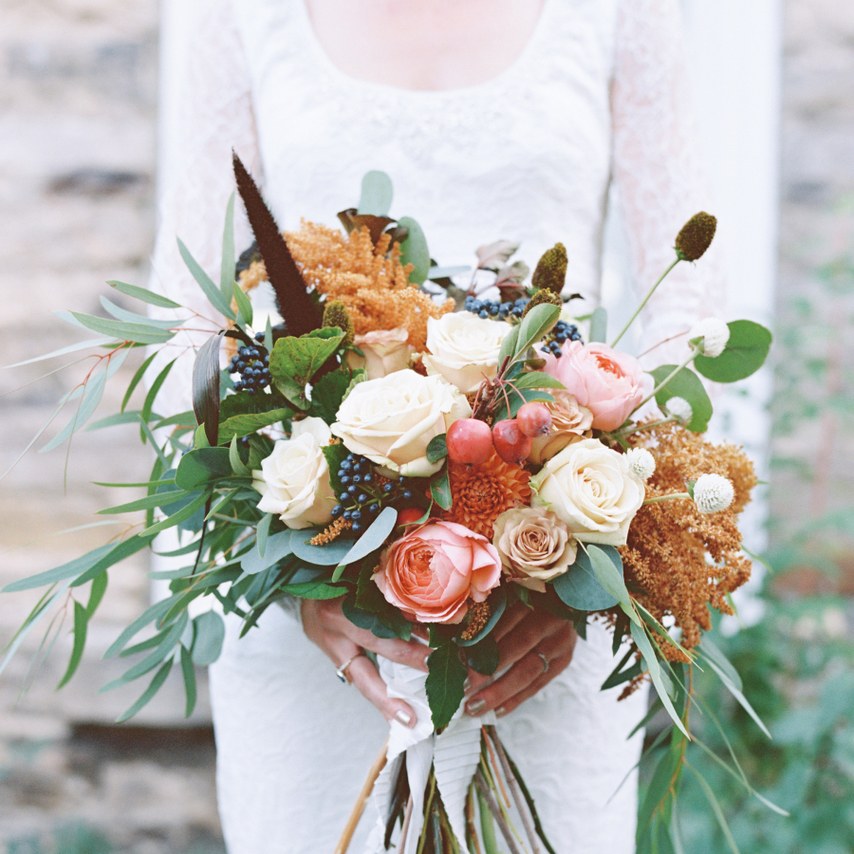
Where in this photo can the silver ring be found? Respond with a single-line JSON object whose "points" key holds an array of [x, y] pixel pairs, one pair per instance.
{"points": [[341, 672], [542, 658]]}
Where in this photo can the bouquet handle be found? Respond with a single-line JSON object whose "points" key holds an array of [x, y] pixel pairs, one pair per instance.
{"points": [[343, 845]]}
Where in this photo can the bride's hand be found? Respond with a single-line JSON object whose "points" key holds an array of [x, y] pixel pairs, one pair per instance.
{"points": [[325, 624], [534, 647]]}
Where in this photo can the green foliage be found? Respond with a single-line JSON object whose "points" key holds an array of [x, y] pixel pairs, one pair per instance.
{"points": [[445, 679], [295, 361], [579, 587], [413, 250], [684, 383], [745, 353], [440, 488], [377, 194], [437, 449]]}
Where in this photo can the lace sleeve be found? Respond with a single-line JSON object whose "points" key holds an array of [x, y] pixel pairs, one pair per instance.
{"points": [[214, 114], [656, 166]]}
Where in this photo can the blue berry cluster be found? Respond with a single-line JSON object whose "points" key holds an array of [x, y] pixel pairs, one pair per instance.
{"points": [[562, 333], [252, 362], [364, 494], [499, 310]]}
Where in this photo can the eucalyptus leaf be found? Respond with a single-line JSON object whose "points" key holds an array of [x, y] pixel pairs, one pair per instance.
{"points": [[580, 588], [144, 294], [744, 354], [373, 538], [121, 330], [120, 313], [211, 291], [277, 547], [377, 194], [227, 264], [209, 636], [414, 250], [81, 621], [155, 685], [328, 555], [687, 385], [599, 324]]}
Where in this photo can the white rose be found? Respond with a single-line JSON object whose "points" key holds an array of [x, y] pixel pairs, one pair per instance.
{"points": [[385, 351], [590, 488], [294, 478], [391, 420], [464, 348], [535, 546]]}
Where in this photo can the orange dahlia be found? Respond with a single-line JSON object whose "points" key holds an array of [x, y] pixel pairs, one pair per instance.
{"points": [[483, 492]]}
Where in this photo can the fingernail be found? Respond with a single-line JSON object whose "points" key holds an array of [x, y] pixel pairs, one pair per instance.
{"points": [[427, 660], [404, 717], [467, 684], [475, 707], [500, 712]]}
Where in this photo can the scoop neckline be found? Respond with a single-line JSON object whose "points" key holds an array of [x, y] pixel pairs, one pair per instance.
{"points": [[497, 80]]}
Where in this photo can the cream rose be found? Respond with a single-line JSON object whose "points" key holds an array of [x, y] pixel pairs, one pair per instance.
{"points": [[463, 348], [591, 489], [570, 421], [294, 478], [391, 420], [534, 545], [384, 352]]}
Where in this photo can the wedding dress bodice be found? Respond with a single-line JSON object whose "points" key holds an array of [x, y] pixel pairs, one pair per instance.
{"points": [[598, 95]]}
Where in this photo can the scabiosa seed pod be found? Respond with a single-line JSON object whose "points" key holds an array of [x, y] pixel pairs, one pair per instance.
{"points": [[641, 463], [541, 297], [680, 409], [711, 335], [696, 236], [550, 273], [713, 493], [335, 314]]}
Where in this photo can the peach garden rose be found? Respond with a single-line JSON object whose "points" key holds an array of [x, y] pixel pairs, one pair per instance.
{"points": [[433, 572]]}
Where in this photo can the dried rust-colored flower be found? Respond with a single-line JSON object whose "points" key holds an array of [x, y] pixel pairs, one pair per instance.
{"points": [[696, 236], [550, 273], [679, 561], [543, 297], [335, 314], [476, 619], [331, 532], [483, 492]]}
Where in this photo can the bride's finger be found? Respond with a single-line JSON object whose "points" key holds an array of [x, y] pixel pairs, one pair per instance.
{"points": [[510, 620], [365, 677], [413, 653]]}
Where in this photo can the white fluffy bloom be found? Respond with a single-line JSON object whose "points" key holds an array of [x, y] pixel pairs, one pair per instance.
{"points": [[713, 493], [679, 408], [714, 334], [641, 463]]}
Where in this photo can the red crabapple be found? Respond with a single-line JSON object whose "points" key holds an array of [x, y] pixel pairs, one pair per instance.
{"points": [[511, 444], [534, 419], [469, 440]]}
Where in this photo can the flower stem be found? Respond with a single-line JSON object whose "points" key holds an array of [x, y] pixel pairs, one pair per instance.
{"points": [[668, 378], [644, 301], [659, 498]]}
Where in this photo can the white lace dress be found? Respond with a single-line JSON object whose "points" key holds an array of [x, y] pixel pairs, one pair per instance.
{"points": [[597, 95]]}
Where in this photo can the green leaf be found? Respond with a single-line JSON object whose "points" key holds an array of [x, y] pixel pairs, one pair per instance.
{"points": [[228, 264], [244, 306], [685, 384], [136, 380], [445, 679], [414, 250], [744, 354], [209, 635], [315, 590], [373, 539], [201, 467], [483, 657], [277, 547], [377, 194], [440, 489], [96, 593], [93, 392], [716, 809], [152, 613], [90, 343], [139, 333], [599, 324], [580, 587], [81, 621], [188, 671], [537, 379], [120, 313], [733, 686], [238, 467], [211, 291], [295, 361], [371, 622], [437, 449], [206, 387], [536, 323], [158, 499], [155, 685], [508, 345], [659, 680], [497, 606], [144, 294], [243, 425], [328, 555], [328, 393]]}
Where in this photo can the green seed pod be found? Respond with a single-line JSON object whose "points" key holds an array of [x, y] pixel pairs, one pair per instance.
{"points": [[551, 270], [335, 314], [696, 236]]}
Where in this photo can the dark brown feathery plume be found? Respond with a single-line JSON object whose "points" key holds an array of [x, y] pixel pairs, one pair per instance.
{"points": [[299, 311]]}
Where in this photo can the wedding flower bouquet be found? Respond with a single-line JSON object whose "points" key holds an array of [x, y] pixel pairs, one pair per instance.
{"points": [[431, 454]]}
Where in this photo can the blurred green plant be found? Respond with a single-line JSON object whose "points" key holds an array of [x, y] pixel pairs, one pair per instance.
{"points": [[797, 662]]}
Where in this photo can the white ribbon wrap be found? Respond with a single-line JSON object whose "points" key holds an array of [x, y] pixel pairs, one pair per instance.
{"points": [[454, 754]]}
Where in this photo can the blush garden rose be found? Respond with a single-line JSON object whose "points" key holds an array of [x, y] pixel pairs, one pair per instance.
{"points": [[589, 486], [391, 420], [384, 352], [433, 572]]}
